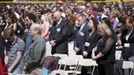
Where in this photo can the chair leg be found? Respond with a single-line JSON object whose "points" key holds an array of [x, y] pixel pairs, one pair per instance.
{"points": [[93, 70], [131, 71]]}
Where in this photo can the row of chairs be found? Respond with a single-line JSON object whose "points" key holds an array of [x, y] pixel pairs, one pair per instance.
{"points": [[79, 61], [75, 62]]}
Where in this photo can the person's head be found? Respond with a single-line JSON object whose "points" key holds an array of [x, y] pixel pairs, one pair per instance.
{"points": [[57, 15], [81, 19], [104, 30], [30, 18], [107, 21], [130, 22], [9, 35], [69, 12], [35, 29], [93, 23]]}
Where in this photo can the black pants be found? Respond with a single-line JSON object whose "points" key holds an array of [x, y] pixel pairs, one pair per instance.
{"points": [[118, 68], [106, 69]]}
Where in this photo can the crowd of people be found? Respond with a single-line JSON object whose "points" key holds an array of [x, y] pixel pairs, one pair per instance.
{"points": [[97, 30]]}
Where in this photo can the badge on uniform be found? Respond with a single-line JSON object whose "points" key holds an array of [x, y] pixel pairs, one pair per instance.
{"points": [[81, 33], [59, 29], [126, 45], [87, 44]]}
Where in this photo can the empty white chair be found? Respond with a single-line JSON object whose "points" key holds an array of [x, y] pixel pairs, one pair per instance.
{"points": [[61, 55], [88, 62], [128, 65], [78, 57], [68, 62], [58, 72]]}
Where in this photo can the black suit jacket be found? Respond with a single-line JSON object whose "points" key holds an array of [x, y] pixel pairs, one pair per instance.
{"points": [[60, 33], [91, 41], [79, 38], [128, 51]]}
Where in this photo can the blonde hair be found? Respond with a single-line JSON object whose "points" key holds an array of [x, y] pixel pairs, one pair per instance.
{"points": [[104, 27]]}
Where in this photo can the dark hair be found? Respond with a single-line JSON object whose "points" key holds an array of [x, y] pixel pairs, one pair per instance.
{"points": [[107, 21], [8, 34], [130, 19], [32, 17], [95, 22]]}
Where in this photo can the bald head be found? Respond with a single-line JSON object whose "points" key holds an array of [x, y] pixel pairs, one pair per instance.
{"points": [[57, 16]]}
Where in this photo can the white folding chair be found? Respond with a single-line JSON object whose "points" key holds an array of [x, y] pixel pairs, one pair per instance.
{"points": [[59, 72], [78, 57], [68, 62], [88, 62], [61, 55], [118, 55], [128, 65]]}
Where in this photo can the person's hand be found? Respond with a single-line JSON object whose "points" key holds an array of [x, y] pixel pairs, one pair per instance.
{"points": [[52, 43], [94, 57], [85, 53], [24, 67], [9, 69], [76, 49], [94, 49]]}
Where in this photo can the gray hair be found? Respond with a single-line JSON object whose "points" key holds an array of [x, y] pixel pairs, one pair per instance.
{"points": [[36, 27]]}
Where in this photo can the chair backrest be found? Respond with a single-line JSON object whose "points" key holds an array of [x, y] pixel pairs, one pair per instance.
{"points": [[78, 57], [87, 62], [58, 72], [128, 65], [61, 55], [67, 62], [118, 55]]}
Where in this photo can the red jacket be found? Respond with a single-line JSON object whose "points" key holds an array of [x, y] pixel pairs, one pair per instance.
{"points": [[3, 68]]}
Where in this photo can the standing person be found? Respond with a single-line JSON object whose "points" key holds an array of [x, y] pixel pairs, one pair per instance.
{"points": [[127, 40], [15, 48], [36, 50], [79, 38], [91, 39], [59, 34], [104, 52], [29, 20], [45, 26], [33, 56]]}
